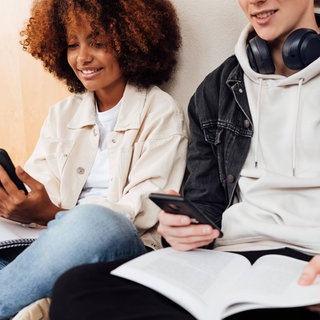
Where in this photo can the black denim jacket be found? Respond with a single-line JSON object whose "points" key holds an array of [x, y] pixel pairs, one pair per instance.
{"points": [[221, 129]]}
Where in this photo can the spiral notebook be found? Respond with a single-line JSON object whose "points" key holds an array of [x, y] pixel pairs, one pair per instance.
{"points": [[15, 234]]}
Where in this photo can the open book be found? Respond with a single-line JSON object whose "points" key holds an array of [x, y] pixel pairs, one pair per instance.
{"points": [[212, 285], [15, 234]]}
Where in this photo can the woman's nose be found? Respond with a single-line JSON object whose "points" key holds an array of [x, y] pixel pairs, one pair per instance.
{"points": [[84, 55]]}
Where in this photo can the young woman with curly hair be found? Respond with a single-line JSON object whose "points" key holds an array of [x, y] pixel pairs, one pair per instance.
{"points": [[103, 149]]}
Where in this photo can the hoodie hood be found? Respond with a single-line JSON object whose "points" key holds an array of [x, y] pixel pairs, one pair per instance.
{"points": [[266, 90]]}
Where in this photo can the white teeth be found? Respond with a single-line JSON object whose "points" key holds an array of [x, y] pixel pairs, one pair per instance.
{"points": [[89, 71], [264, 15]]}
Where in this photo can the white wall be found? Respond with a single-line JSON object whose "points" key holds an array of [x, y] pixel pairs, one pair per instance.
{"points": [[210, 29]]}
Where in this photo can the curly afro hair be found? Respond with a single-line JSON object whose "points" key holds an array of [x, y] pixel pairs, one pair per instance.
{"points": [[144, 35]]}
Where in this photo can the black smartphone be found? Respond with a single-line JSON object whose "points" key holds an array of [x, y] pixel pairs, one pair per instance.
{"points": [[8, 165], [179, 205]]}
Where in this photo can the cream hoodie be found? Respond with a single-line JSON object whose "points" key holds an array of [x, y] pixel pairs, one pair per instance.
{"points": [[279, 184]]}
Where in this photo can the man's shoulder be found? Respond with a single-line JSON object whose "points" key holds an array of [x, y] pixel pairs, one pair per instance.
{"points": [[225, 68], [230, 68]]}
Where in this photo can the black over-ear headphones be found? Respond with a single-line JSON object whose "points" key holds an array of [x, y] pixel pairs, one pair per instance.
{"points": [[301, 48]]}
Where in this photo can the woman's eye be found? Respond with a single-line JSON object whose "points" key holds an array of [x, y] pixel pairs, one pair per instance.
{"points": [[98, 45], [72, 45]]}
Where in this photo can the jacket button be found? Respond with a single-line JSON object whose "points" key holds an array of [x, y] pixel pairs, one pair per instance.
{"points": [[246, 123], [80, 170], [230, 178]]}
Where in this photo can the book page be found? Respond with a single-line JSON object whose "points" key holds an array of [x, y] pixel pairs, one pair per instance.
{"points": [[11, 230], [193, 279], [273, 283]]}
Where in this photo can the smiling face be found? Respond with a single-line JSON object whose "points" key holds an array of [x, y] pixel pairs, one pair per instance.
{"points": [[274, 20], [93, 62]]}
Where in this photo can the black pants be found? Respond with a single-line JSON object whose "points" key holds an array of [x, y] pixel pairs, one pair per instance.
{"points": [[9, 254], [89, 292]]}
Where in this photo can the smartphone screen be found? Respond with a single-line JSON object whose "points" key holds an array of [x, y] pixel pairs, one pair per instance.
{"points": [[177, 204], [8, 165]]}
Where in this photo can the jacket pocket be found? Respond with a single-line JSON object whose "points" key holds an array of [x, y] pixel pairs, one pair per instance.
{"points": [[57, 153]]}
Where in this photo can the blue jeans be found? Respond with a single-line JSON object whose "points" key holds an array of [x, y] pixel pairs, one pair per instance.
{"points": [[84, 234]]}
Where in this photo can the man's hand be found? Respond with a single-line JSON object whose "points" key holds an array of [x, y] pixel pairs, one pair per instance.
{"points": [[310, 272], [182, 234]]}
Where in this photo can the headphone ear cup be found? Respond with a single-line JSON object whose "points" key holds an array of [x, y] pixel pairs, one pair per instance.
{"points": [[301, 48], [259, 56]]}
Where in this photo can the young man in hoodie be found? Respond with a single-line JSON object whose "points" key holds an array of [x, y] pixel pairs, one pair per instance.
{"points": [[253, 165]]}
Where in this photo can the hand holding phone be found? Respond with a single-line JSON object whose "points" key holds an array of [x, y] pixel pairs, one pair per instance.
{"points": [[177, 204], [8, 165]]}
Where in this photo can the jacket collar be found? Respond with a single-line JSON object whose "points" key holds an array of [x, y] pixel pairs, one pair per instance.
{"points": [[132, 108], [130, 115], [85, 114], [235, 82]]}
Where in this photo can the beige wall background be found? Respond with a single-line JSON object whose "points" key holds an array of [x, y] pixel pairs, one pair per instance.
{"points": [[210, 29], [26, 90]]}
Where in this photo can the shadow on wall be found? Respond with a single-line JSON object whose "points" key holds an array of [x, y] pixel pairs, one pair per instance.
{"points": [[210, 29]]}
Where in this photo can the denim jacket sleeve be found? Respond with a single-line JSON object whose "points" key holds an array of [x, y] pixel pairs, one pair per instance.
{"points": [[220, 134]]}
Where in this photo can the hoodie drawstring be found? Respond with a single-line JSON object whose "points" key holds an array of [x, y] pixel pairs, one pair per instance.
{"points": [[296, 131], [256, 143]]}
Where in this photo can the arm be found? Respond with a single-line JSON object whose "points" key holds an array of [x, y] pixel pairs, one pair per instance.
{"points": [[203, 186]]}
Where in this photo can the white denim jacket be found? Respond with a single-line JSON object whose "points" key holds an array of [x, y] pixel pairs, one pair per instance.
{"points": [[146, 150]]}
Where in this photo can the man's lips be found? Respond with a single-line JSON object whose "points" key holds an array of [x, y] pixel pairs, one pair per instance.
{"points": [[264, 15]]}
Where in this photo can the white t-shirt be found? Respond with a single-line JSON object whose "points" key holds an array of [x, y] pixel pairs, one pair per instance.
{"points": [[97, 183]]}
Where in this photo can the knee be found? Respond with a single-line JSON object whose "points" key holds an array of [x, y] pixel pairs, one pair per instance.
{"points": [[93, 215], [99, 221]]}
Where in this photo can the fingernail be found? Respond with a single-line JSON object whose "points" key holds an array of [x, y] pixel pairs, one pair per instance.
{"points": [[216, 233], [184, 220], [19, 169], [206, 230], [303, 278]]}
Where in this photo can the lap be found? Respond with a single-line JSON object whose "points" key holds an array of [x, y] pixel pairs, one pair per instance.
{"points": [[90, 291]]}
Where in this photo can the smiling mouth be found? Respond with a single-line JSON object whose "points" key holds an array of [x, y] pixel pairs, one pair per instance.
{"points": [[264, 15], [89, 71]]}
